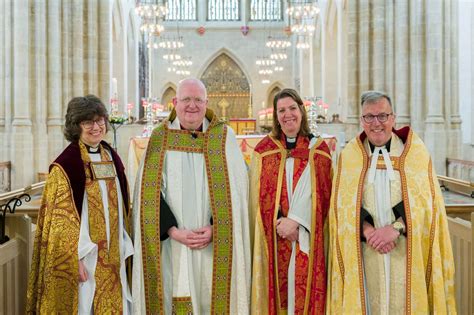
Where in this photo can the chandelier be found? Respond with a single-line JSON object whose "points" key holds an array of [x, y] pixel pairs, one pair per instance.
{"points": [[184, 62], [171, 42], [152, 14], [278, 55], [264, 61], [277, 42], [302, 15], [171, 56]]}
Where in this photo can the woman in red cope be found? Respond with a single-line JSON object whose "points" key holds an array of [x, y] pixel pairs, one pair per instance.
{"points": [[291, 171]]}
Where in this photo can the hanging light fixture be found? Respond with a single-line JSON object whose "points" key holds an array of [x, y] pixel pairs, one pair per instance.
{"points": [[277, 42], [175, 42], [152, 14], [302, 15]]}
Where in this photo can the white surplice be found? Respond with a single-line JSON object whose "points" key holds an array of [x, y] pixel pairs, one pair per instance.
{"points": [[300, 211]]}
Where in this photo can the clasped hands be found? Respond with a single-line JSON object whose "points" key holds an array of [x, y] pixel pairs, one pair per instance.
{"points": [[287, 228], [383, 239], [194, 239]]}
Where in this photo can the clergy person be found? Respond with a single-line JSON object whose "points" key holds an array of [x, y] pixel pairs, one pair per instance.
{"points": [[390, 251], [192, 251], [81, 241], [291, 180]]}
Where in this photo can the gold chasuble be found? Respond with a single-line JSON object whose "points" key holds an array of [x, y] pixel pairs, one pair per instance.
{"points": [[272, 262], [54, 278], [212, 144], [417, 276]]}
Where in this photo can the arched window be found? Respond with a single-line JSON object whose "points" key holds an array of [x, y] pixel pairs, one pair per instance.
{"points": [[271, 96], [181, 10], [264, 10], [223, 10]]}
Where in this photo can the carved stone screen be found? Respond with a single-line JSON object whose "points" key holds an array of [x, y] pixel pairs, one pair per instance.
{"points": [[227, 87]]}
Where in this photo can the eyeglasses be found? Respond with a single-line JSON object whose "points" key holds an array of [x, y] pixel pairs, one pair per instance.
{"points": [[195, 100], [369, 118], [89, 124]]}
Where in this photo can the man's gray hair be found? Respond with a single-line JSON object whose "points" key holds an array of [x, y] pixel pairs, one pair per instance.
{"points": [[373, 97]]}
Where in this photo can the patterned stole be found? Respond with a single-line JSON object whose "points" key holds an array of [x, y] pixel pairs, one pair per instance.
{"points": [[108, 291], [212, 144]]}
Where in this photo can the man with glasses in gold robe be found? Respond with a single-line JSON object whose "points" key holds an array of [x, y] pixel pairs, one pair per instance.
{"points": [[390, 251], [191, 228]]}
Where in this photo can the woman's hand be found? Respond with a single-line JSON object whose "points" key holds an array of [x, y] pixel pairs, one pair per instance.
{"points": [[287, 229], [383, 239]]}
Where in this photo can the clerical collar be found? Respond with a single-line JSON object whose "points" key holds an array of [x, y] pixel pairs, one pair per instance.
{"points": [[290, 142], [387, 146], [92, 150], [197, 129]]}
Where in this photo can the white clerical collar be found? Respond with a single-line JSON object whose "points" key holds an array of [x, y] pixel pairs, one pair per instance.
{"points": [[373, 163]]}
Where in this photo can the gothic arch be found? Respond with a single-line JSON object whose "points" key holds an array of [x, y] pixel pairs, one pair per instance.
{"points": [[271, 92], [169, 92], [227, 86]]}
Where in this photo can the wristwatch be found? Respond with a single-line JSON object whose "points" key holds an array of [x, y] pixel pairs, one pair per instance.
{"points": [[399, 226]]}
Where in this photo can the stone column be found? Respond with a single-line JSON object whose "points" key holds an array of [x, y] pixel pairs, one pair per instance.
{"points": [[92, 47], [452, 61], [435, 135], [22, 138], [77, 36], [104, 51], [374, 56], [322, 18], [352, 121], [416, 57], [66, 48], [402, 74], [339, 12], [389, 18], [55, 100], [39, 86]]}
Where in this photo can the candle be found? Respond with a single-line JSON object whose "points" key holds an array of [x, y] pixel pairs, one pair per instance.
{"points": [[114, 87]]}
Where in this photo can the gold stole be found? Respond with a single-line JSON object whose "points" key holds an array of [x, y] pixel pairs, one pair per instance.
{"points": [[108, 291]]}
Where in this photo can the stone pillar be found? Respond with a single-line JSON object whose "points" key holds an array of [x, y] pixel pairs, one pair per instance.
{"points": [[39, 86], [374, 55], [104, 51], [402, 74], [389, 40], [77, 48], [322, 18], [435, 135], [353, 52], [92, 47], [66, 48], [55, 83], [339, 12], [416, 57], [22, 138], [452, 61]]}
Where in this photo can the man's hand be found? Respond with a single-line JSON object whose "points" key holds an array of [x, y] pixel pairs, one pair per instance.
{"points": [[82, 272], [194, 239], [287, 229], [383, 239]]}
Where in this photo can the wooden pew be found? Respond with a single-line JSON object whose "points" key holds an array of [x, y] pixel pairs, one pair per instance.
{"points": [[462, 237]]}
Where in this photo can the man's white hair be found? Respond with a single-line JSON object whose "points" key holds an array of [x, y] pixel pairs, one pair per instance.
{"points": [[191, 81]]}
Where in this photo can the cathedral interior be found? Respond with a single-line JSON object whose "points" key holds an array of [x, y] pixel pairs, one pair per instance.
{"points": [[132, 55]]}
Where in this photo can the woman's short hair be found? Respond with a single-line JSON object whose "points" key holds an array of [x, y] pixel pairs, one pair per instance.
{"points": [[80, 109], [304, 128]]}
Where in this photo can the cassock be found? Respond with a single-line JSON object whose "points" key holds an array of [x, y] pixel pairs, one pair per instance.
{"points": [[290, 277], [83, 216], [381, 184], [203, 178]]}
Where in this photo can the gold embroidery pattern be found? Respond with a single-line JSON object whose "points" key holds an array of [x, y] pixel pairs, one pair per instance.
{"points": [[108, 293], [182, 306]]}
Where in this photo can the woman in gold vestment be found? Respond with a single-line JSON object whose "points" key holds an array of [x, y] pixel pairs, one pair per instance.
{"points": [[291, 170], [81, 243]]}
